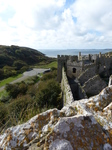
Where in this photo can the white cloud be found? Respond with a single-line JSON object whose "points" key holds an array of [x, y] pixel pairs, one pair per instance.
{"points": [[36, 14], [48, 24], [93, 14]]}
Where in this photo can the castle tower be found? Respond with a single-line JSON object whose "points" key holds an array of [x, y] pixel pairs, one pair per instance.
{"points": [[79, 56], [89, 56], [62, 62], [100, 55]]}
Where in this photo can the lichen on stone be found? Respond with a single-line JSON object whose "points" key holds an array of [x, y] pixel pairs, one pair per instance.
{"points": [[83, 125]]}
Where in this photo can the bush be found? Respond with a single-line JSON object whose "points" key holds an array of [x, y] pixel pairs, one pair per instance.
{"points": [[24, 68], [53, 68], [22, 88], [4, 99], [19, 106], [39, 97], [3, 114], [15, 89], [19, 64], [48, 93], [9, 71], [49, 75], [1, 74], [12, 89], [32, 80]]}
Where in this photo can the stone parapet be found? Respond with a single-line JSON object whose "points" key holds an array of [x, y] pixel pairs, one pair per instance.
{"points": [[66, 90]]}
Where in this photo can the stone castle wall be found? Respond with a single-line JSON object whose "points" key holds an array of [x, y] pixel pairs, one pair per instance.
{"points": [[66, 90], [81, 91], [86, 70], [87, 74], [77, 65], [104, 63], [62, 62], [94, 85]]}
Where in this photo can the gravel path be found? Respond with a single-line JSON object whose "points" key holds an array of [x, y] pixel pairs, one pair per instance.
{"points": [[26, 75]]}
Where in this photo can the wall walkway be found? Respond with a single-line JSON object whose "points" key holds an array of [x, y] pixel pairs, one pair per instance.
{"points": [[66, 90]]}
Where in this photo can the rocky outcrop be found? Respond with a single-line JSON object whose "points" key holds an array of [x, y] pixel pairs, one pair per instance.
{"points": [[84, 125]]}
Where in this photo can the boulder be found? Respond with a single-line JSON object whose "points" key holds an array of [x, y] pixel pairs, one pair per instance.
{"points": [[83, 125]]}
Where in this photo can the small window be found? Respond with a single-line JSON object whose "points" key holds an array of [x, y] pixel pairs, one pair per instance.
{"points": [[104, 67], [74, 70]]}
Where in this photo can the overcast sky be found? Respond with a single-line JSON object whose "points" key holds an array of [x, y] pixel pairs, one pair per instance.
{"points": [[56, 24]]}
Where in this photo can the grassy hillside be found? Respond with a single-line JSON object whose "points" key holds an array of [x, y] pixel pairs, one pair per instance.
{"points": [[15, 59], [21, 101], [10, 54]]}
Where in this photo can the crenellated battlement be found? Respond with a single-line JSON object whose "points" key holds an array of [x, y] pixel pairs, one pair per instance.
{"points": [[75, 65], [83, 75]]}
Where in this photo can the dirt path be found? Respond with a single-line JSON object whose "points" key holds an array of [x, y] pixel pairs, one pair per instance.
{"points": [[26, 75]]}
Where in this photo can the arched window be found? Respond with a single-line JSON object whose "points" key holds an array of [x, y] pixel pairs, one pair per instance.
{"points": [[74, 70]]}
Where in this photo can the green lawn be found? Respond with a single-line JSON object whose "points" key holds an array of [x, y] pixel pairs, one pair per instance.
{"points": [[50, 65], [10, 79]]}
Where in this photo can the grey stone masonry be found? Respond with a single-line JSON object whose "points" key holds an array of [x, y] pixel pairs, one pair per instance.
{"points": [[94, 85], [92, 72], [110, 81], [66, 90]]}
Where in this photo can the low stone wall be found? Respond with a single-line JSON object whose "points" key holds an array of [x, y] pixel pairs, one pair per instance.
{"points": [[66, 90]]}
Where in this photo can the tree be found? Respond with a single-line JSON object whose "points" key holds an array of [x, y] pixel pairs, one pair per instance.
{"points": [[19, 64]]}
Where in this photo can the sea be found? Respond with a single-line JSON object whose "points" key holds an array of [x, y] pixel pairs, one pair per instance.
{"points": [[55, 52]]}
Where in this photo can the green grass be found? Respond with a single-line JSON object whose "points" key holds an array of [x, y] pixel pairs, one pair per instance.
{"points": [[3, 93], [46, 66], [10, 79]]}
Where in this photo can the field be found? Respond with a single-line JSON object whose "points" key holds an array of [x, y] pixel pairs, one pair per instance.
{"points": [[50, 65]]}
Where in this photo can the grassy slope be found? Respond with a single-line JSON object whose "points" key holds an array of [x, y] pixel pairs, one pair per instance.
{"points": [[8, 80], [50, 65]]}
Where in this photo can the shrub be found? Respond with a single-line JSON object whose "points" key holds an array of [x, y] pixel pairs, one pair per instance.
{"points": [[15, 89], [48, 93], [12, 89], [1, 74], [3, 114], [9, 71], [53, 68], [32, 80], [24, 68], [19, 106], [22, 88], [19, 64], [39, 97], [49, 75], [4, 99]]}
